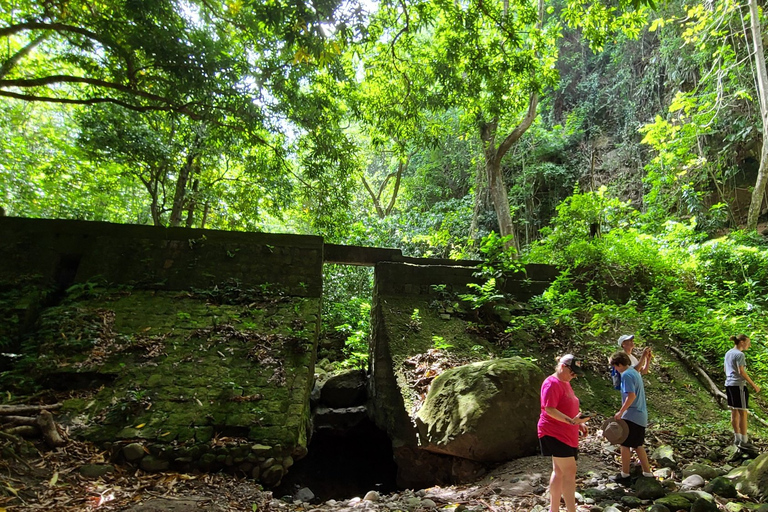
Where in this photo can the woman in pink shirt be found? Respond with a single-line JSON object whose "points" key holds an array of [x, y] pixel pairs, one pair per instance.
{"points": [[558, 428]]}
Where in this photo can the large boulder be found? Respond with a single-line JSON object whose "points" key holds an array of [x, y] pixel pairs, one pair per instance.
{"points": [[485, 411], [345, 389], [754, 481]]}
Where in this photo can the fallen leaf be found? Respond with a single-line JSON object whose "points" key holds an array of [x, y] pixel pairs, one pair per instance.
{"points": [[141, 425], [54, 479], [163, 435]]}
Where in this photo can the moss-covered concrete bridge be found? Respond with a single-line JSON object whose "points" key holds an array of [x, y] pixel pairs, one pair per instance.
{"points": [[195, 348]]}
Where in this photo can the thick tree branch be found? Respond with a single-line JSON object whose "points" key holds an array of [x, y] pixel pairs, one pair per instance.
{"points": [[379, 210], [63, 27], [69, 79], [520, 129]]}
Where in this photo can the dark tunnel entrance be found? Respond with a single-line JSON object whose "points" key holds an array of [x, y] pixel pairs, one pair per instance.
{"points": [[343, 464]]}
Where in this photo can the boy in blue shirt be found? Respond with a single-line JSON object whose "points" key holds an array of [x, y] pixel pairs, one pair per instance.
{"points": [[634, 412]]}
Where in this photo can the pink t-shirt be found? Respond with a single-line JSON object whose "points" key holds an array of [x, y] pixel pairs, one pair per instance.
{"points": [[558, 394]]}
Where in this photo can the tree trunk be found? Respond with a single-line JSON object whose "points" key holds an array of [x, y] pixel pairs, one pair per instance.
{"points": [[493, 156], [180, 195], [756, 203], [192, 204]]}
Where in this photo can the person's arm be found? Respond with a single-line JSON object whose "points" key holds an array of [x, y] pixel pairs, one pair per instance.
{"points": [[645, 361], [743, 373], [627, 402], [561, 416]]}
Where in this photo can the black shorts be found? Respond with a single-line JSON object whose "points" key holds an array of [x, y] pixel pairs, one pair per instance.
{"points": [[738, 397], [551, 446], [636, 437]]}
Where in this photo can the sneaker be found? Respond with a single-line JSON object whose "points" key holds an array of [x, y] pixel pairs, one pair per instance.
{"points": [[746, 445], [621, 480]]}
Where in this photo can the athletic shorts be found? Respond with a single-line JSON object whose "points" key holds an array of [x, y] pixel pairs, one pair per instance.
{"points": [[553, 447], [738, 397], [636, 437]]}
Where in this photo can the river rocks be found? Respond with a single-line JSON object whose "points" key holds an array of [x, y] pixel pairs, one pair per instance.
{"points": [[133, 452], [649, 488], [704, 505], [485, 411], [692, 482], [675, 501], [754, 482], [721, 486], [664, 456], [703, 470]]}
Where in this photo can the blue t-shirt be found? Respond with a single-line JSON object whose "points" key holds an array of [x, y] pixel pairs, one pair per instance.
{"points": [[734, 359], [632, 382]]}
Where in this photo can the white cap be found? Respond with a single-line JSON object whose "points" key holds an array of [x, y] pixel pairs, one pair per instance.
{"points": [[625, 337]]}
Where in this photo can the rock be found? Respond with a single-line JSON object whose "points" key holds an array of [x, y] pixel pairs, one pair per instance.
{"points": [[657, 507], [272, 475], [133, 452], [703, 470], [664, 456], [151, 463], [648, 488], [704, 505], [371, 496], [428, 503], [675, 501], [95, 470], [721, 486], [304, 494], [663, 473], [339, 418], [261, 449], [346, 389], [754, 481], [692, 482], [631, 501], [485, 411]]}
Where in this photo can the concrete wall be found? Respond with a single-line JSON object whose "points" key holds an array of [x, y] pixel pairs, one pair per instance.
{"points": [[157, 257]]}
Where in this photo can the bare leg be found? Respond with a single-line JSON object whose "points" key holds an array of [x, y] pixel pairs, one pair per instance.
{"points": [[625, 459], [640, 450], [743, 422], [565, 467], [736, 421], [555, 488]]}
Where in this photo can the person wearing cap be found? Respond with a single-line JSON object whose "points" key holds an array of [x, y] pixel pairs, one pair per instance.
{"points": [[736, 379], [560, 424], [634, 412], [627, 344]]}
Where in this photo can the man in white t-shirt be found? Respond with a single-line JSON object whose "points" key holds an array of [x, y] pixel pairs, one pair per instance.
{"points": [[627, 344]]}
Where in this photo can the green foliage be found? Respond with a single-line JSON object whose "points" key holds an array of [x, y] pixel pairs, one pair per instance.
{"points": [[484, 295], [669, 285], [357, 334], [439, 343]]}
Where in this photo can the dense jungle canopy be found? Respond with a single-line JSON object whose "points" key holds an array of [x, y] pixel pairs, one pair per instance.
{"points": [[622, 141]]}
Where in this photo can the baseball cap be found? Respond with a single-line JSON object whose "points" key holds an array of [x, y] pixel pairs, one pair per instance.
{"points": [[625, 337], [572, 362]]}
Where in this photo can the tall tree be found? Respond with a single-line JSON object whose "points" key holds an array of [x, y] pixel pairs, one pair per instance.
{"points": [[758, 193], [490, 60]]}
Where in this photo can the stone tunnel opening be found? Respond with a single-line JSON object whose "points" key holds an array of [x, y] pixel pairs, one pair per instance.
{"points": [[342, 465]]}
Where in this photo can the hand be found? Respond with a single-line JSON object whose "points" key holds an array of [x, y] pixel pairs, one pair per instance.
{"points": [[582, 430], [757, 388], [617, 415]]}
